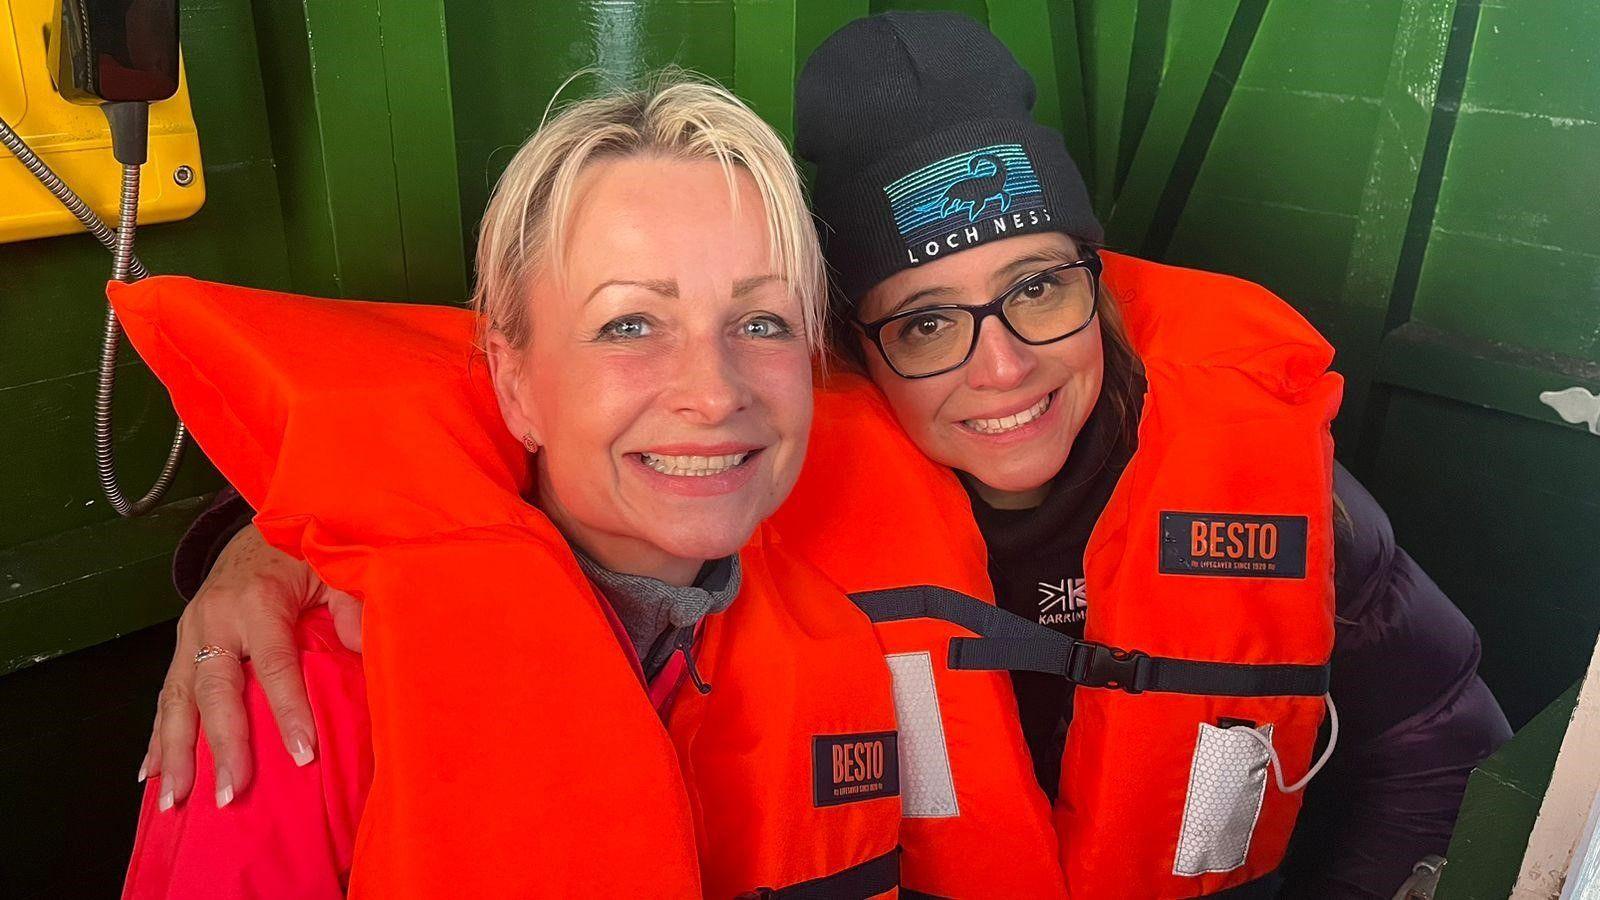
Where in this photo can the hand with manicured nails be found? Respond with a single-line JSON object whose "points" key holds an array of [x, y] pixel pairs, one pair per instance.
{"points": [[247, 606]]}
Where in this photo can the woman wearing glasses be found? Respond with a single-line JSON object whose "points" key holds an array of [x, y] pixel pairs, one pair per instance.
{"points": [[1146, 454], [1145, 451]]}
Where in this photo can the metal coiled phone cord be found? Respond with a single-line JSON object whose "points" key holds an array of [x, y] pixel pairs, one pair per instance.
{"points": [[126, 268]]}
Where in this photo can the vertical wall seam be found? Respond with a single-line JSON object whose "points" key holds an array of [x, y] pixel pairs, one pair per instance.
{"points": [[394, 142], [1435, 154], [1419, 224], [1203, 129]]}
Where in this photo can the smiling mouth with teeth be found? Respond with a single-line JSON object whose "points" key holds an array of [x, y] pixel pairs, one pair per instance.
{"points": [[1014, 421], [693, 466]]}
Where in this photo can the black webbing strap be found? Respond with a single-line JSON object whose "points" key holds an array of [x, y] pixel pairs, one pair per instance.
{"points": [[869, 879], [1009, 642]]}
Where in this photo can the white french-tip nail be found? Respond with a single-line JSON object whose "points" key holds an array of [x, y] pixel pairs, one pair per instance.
{"points": [[144, 771], [302, 752], [165, 803], [224, 795]]}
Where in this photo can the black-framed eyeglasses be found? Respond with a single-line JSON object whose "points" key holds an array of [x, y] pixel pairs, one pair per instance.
{"points": [[1043, 308]]}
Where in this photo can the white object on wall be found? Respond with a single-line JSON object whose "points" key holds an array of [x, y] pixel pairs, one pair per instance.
{"points": [[1575, 405]]}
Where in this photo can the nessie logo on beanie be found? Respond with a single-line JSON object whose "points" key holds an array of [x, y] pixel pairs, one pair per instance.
{"points": [[967, 199]]}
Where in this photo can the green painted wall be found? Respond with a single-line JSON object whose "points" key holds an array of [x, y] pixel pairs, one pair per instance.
{"points": [[1418, 178], [71, 572]]}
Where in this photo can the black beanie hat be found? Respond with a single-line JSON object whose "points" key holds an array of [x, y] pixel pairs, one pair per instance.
{"points": [[921, 128]]}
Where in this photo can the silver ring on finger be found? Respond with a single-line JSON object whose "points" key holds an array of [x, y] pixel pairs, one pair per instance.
{"points": [[212, 651]]}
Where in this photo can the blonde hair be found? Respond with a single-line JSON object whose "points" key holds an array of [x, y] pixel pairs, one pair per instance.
{"points": [[676, 116]]}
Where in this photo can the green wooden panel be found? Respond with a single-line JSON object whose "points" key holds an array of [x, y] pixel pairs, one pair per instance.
{"points": [[1517, 264], [977, 9], [1511, 174], [1070, 90], [1106, 35], [1290, 151], [1026, 29], [295, 140], [1393, 174], [1509, 200], [816, 19], [362, 130], [1494, 303], [507, 60], [764, 63], [1258, 239], [422, 125], [1501, 511], [1313, 48], [50, 480], [1491, 374], [1501, 804], [1196, 83], [771, 41], [1147, 62], [323, 65], [77, 588], [1490, 286], [1539, 59]]}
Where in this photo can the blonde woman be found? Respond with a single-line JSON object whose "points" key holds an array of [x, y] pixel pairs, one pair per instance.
{"points": [[650, 289]]}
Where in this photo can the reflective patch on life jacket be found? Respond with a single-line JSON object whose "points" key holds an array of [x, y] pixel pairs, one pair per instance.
{"points": [[1227, 783], [851, 767], [1228, 544], [928, 787]]}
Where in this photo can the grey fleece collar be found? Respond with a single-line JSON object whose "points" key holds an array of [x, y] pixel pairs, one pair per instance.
{"points": [[648, 607]]}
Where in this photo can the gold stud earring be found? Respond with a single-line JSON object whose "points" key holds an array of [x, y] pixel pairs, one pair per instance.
{"points": [[529, 443]]}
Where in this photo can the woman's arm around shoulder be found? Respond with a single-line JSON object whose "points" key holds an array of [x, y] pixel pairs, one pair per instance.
{"points": [[291, 832]]}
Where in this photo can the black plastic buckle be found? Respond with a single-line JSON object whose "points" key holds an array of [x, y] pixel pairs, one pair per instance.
{"points": [[1096, 665]]}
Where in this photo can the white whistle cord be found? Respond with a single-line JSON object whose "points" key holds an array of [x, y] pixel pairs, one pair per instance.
{"points": [[1277, 765]]}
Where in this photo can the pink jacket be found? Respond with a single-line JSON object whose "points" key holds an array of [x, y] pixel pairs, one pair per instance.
{"points": [[292, 832]]}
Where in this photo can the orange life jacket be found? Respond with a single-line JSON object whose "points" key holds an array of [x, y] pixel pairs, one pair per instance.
{"points": [[1211, 578], [372, 448], [895, 530], [1216, 547]]}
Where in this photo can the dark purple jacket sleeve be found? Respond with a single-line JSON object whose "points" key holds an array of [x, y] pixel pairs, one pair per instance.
{"points": [[200, 546], [1414, 719]]}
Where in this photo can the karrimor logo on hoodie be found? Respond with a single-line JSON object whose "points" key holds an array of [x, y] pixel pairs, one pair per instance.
{"points": [[967, 199]]}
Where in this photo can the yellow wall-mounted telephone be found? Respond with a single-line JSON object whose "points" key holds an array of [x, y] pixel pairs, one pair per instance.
{"points": [[75, 141]]}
